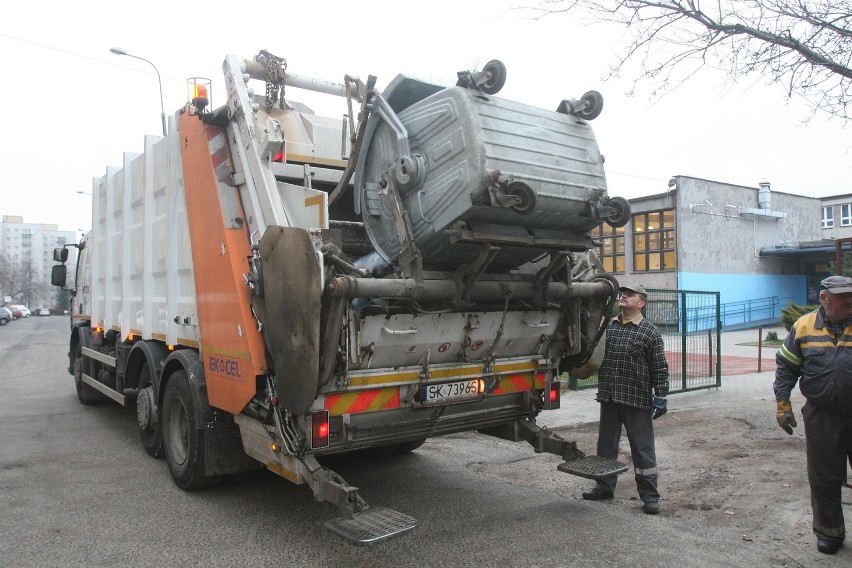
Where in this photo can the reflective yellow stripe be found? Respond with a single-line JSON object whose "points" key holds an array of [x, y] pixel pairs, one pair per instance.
{"points": [[472, 371], [524, 366], [784, 352], [814, 344], [383, 379]]}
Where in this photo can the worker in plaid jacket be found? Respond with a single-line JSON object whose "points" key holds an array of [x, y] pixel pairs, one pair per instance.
{"points": [[633, 382]]}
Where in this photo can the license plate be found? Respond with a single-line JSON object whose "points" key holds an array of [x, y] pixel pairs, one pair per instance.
{"points": [[431, 394]]}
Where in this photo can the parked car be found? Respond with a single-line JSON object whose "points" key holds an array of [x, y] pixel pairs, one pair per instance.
{"points": [[16, 313], [5, 316], [25, 311], [44, 312]]}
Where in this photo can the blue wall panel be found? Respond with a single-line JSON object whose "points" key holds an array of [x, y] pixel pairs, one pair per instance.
{"points": [[739, 292]]}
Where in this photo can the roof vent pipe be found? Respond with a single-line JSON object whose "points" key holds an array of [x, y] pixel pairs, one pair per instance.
{"points": [[764, 199]]}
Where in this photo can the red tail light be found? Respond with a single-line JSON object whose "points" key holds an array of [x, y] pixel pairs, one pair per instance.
{"points": [[319, 429], [551, 395]]}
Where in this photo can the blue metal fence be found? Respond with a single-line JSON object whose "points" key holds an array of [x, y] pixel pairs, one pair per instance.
{"points": [[680, 314]]}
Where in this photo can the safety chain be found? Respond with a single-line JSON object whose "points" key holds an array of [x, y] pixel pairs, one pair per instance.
{"points": [[488, 356], [508, 292], [276, 69]]}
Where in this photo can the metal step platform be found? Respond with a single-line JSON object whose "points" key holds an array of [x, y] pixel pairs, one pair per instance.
{"points": [[373, 525], [593, 467]]}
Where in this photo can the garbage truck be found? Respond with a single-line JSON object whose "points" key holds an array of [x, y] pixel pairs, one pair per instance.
{"points": [[269, 287]]}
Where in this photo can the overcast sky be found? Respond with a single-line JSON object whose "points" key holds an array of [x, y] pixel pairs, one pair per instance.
{"points": [[70, 108]]}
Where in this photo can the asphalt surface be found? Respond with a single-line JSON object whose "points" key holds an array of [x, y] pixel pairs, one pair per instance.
{"points": [[76, 489]]}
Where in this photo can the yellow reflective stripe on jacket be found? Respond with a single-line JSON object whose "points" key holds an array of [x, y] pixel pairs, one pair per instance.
{"points": [[784, 352], [811, 337]]}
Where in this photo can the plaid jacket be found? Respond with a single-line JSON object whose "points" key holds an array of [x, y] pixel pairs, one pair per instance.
{"points": [[634, 366]]}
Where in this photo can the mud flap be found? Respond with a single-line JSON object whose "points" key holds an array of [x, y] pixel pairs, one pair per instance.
{"points": [[372, 525], [289, 310], [593, 467]]}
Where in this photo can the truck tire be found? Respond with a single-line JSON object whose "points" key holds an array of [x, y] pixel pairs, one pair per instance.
{"points": [[150, 428], [182, 441], [86, 394], [407, 447]]}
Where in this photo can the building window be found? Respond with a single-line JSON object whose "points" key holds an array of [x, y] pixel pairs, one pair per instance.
{"points": [[654, 241], [611, 249], [846, 214], [828, 217]]}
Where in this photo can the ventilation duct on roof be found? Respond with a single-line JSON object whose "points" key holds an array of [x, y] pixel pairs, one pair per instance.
{"points": [[764, 204]]}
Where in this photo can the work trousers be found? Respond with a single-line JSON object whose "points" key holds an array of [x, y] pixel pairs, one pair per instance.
{"points": [[829, 444], [640, 434]]}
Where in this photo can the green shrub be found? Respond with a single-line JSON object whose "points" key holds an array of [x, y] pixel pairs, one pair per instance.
{"points": [[791, 313], [771, 336]]}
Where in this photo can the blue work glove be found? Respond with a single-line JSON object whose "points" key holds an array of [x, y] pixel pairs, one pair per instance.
{"points": [[659, 406]]}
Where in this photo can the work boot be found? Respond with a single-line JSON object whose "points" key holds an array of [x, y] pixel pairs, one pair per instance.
{"points": [[597, 494], [828, 544], [651, 508]]}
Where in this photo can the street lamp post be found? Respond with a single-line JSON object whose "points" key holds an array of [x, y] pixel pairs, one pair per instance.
{"points": [[120, 51]]}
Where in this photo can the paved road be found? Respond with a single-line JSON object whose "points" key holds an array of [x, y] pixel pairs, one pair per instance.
{"points": [[76, 489]]}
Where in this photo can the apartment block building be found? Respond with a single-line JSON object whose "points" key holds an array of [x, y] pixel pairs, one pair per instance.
{"points": [[30, 245]]}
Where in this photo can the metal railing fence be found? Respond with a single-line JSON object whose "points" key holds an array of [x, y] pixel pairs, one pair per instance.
{"points": [[689, 321]]}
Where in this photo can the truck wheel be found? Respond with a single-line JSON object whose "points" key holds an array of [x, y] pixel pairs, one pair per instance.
{"points": [[183, 442], [150, 430], [407, 447], [85, 393]]}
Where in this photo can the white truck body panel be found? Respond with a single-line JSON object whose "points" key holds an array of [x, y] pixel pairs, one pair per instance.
{"points": [[142, 276]]}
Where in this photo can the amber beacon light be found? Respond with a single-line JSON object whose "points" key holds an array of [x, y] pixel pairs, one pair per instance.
{"points": [[199, 92]]}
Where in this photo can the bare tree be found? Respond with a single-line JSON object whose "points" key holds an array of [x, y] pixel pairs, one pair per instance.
{"points": [[12, 275], [19, 280], [803, 45]]}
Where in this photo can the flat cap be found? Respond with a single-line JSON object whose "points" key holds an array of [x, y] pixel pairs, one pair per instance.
{"points": [[639, 289], [837, 284]]}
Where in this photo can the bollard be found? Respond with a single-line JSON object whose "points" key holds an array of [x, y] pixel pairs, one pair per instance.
{"points": [[759, 349]]}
